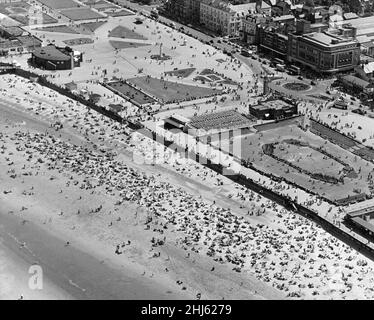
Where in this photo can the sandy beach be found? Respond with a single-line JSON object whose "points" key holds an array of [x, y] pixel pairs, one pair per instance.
{"points": [[174, 223], [108, 213], [101, 233]]}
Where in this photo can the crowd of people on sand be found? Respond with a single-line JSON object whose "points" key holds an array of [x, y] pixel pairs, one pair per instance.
{"points": [[292, 253], [44, 102]]}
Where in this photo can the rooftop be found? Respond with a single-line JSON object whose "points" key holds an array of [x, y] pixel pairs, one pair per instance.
{"points": [[285, 17], [327, 39], [51, 53], [261, 107], [275, 104], [318, 25], [368, 67], [180, 118], [350, 15], [356, 81], [362, 23], [29, 41], [364, 39], [13, 30], [364, 58], [238, 8]]}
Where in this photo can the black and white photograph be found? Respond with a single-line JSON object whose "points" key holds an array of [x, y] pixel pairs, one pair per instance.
{"points": [[203, 151]]}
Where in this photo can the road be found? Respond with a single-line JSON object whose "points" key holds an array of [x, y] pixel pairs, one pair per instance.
{"points": [[254, 64]]}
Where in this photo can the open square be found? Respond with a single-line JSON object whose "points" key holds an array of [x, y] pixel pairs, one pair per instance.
{"points": [[314, 164], [167, 91]]}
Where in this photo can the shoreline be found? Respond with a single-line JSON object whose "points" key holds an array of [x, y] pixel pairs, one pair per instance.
{"points": [[71, 273]]}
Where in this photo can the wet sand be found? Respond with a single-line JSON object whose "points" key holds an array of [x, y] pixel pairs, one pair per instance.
{"points": [[68, 272]]}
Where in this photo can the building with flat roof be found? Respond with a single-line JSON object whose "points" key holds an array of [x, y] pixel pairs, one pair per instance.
{"points": [[176, 121], [56, 58], [273, 109], [357, 84], [324, 52]]}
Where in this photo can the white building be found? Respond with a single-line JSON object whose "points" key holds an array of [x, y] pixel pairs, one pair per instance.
{"points": [[224, 18]]}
